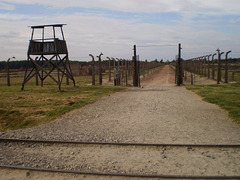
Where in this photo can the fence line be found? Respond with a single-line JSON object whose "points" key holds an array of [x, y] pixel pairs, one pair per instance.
{"points": [[212, 68]]}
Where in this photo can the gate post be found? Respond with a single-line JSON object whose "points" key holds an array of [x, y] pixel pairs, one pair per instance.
{"points": [[179, 66], [135, 74]]}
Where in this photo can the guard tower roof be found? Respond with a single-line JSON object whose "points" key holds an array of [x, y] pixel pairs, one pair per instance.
{"points": [[48, 25]]}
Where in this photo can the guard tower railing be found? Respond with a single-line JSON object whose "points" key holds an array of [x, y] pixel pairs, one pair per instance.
{"points": [[48, 47]]}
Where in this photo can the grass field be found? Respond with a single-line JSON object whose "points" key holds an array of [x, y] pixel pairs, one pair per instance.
{"points": [[17, 80], [39, 105], [227, 96], [236, 77]]}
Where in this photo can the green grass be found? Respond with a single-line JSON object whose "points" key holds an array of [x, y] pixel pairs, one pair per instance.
{"points": [[80, 80], [40, 105], [236, 77], [226, 96]]}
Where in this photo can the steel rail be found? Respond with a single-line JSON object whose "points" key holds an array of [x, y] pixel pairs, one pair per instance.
{"points": [[119, 174], [120, 144]]}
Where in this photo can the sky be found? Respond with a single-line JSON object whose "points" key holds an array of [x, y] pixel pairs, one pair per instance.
{"points": [[113, 27]]}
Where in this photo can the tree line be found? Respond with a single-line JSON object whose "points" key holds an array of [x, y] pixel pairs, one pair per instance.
{"points": [[21, 64]]}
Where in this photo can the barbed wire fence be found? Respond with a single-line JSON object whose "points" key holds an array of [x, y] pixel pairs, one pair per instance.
{"points": [[213, 66]]}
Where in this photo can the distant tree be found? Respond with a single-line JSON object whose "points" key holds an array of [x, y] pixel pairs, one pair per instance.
{"points": [[155, 61]]}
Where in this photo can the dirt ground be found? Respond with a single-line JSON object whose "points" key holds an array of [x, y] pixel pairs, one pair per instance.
{"points": [[159, 112]]}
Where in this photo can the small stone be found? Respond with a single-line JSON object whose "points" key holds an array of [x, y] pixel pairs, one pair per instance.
{"points": [[27, 174]]}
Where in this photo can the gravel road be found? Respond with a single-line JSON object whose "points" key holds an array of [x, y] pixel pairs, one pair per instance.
{"points": [[160, 112]]}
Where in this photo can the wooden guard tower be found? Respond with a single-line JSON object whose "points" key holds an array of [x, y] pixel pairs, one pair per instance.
{"points": [[48, 57]]}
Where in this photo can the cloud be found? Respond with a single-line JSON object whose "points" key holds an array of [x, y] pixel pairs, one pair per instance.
{"points": [[4, 6], [18, 17], [95, 32], [116, 37], [219, 7]]}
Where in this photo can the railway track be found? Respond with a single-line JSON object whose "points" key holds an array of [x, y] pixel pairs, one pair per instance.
{"points": [[118, 145], [121, 144]]}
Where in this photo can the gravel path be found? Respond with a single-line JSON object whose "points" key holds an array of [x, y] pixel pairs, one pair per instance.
{"points": [[159, 112]]}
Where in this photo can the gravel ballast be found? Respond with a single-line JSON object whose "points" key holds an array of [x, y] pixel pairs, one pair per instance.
{"points": [[124, 159]]}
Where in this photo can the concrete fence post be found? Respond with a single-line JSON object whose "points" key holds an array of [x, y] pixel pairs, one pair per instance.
{"points": [[219, 75], [209, 65], [205, 65], [213, 69], [226, 66], [93, 69], [100, 68], [109, 69]]}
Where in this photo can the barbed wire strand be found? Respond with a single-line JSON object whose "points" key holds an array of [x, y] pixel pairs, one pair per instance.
{"points": [[158, 45]]}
